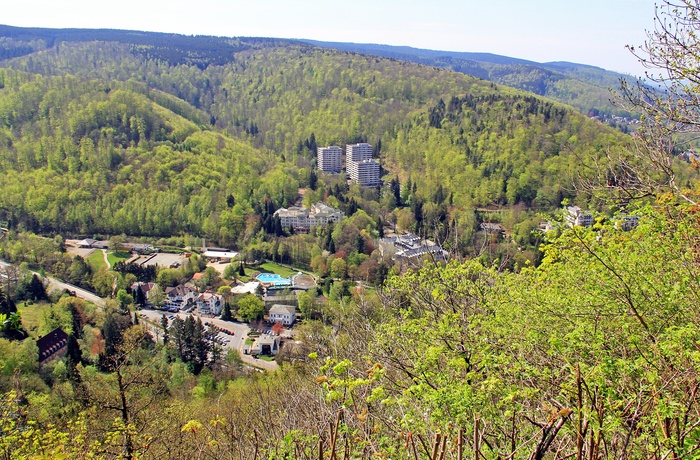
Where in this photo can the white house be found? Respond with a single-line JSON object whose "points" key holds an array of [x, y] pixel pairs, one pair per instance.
{"points": [[210, 304], [575, 216], [181, 295], [285, 314]]}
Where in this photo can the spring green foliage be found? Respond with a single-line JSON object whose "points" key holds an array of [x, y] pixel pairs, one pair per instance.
{"points": [[102, 149], [582, 86], [606, 323], [593, 353], [250, 308], [115, 155]]}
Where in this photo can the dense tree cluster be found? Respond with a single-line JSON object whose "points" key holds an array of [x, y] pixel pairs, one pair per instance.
{"points": [[191, 343], [582, 86]]}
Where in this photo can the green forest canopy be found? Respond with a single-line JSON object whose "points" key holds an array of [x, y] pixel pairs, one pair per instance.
{"points": [[109, 140]]}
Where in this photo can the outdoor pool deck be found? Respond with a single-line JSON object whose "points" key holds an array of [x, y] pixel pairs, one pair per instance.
{"points": [[303, 281], [273, 280]]}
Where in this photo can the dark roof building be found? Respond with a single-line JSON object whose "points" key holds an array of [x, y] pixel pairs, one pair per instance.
{"points": [[52, 345]]}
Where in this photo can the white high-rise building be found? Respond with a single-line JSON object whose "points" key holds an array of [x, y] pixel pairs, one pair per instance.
{"points": [[330, 159], [359, 164]]}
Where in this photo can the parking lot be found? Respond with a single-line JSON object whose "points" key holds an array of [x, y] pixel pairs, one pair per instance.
{"points": [[73, 249], [236, 340], [161, 259]]}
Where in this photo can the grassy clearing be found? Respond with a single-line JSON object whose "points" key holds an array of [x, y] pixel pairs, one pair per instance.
{"points": [[32, 316], [118, 256], [276, 268], [96, 260], [249, 272]]}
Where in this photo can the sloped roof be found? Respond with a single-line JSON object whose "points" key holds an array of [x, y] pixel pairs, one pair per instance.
{"points": [[283, 309], [51, 343]]}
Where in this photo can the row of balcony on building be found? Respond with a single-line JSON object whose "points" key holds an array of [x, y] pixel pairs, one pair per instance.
{"points": [[359, 164], [302, 219]]}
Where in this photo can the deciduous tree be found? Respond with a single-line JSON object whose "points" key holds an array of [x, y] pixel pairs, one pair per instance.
{"points": [[251, 308]]}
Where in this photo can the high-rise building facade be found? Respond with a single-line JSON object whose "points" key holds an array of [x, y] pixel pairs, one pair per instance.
{"points": [[359, 164], [330, 159]]}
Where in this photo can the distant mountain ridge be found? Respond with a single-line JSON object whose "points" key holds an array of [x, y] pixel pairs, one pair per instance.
{"points": [[587, 87], [411, 51], [200, 50]]}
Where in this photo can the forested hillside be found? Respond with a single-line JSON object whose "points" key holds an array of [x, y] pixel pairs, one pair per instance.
{"points": [[586, 87], [130, 142], [590, 352], [590, 89]]}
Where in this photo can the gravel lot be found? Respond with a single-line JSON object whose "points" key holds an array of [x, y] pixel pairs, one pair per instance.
{"points": [[161, 259], [73, 249]]}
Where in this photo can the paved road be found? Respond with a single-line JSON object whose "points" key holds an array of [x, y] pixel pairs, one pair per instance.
{"points": [[60, 285], [236, 342], [82, 293]]}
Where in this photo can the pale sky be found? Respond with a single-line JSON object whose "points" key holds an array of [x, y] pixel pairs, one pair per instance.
{"points": [[591, 32]]}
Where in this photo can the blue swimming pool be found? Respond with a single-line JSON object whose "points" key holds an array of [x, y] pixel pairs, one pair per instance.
{"points": [[274, 279]]}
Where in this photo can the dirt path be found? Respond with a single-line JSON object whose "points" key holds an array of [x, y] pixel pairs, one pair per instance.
{"points": [[104, 254]]}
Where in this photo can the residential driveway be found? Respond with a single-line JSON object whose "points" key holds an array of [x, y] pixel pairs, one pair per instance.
{"points": [[236, 342]]}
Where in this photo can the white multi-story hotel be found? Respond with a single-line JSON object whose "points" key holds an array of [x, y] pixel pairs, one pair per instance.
{"points": [[360, 166], [303, 219], [330, 159], [367, 173], [575, 216]]}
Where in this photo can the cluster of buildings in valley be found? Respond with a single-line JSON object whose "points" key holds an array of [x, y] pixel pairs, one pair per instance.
{"points": [[360, 167], [184, 297], [359, 164], [410, 248], [574, 216]]}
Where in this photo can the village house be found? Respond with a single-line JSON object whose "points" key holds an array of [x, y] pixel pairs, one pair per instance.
{"points": [[490, 227], [576, 217], [89, 243], [411, 248], [209, 303], [285, 314], [181, 295], [144, 287]]}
